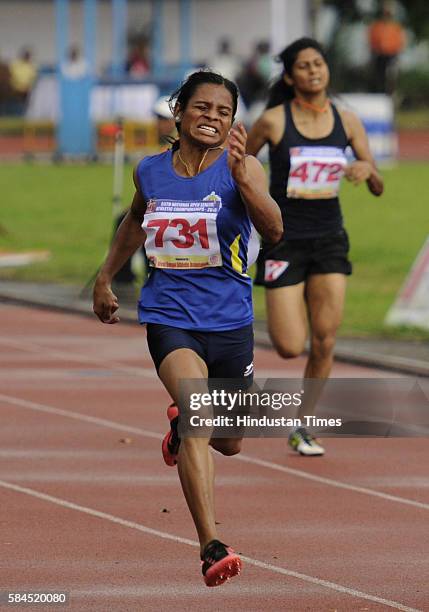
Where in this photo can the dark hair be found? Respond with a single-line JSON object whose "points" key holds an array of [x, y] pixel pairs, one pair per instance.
{"points": [[280, 90], [184, 93]]}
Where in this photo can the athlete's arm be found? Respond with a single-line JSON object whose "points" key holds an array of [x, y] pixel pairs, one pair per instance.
{"points": [[364, 169], [129, 237], [268, 128], [251, 181]]}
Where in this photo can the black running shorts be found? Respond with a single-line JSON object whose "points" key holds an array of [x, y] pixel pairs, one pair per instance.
{"points": [[292, 261], [228, 354]]}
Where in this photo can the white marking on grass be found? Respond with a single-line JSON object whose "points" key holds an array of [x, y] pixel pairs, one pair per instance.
{"points": [[15, 260]]}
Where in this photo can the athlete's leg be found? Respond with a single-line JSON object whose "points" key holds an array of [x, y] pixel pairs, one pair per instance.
{"points": [[227, 446], [287, 319], [195, 463], [325, 295], [287, 324], [231, 361]]}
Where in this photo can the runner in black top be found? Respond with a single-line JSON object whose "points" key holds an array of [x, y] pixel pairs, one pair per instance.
{"points": [[305, 276], [311, 210]]}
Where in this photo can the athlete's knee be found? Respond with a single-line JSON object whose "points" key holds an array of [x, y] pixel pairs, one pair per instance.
{"points": [[322, 345], [230, 449], [289, 350], [227, 447]]}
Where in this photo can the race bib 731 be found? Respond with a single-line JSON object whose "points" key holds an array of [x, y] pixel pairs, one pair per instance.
{"points": [[315, 172], [182, 234]]}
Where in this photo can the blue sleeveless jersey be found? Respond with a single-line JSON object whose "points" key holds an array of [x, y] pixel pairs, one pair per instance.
{"points": [[211, 298]]}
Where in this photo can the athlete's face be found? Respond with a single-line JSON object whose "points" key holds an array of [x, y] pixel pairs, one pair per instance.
{"points": [[310, 72], [207, 117]]}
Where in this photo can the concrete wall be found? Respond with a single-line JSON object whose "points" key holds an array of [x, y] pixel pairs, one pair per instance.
{"points": [[32, 22], [243, 21]]}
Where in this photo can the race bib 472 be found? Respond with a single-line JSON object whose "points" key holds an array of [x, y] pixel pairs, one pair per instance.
{"points": [[315, 172]]}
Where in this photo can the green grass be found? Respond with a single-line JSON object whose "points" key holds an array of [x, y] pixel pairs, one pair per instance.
{"points": [[67, 210], [386, 235], [414, 119]]}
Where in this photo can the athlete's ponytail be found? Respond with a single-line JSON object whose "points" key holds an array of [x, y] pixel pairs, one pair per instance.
{"points": [[279, 92]]}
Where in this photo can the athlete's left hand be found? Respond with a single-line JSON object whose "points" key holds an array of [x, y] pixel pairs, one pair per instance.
{"points": [[237, 153], [358, 171]]}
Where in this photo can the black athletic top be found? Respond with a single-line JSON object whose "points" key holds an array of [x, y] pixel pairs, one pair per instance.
{"points": [[305, 177]]}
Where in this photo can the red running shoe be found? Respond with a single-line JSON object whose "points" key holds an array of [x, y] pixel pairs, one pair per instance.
{"points": [[171, 441], [219, 563]]}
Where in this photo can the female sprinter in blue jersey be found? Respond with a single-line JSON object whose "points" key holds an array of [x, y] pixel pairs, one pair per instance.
{"points": [[194, 206], [305, 275]]}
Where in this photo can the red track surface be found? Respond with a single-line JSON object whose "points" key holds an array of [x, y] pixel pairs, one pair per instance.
{"points": [[89, 507]]}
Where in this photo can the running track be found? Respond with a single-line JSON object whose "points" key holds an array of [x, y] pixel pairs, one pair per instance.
{"points": [[88, 506]]}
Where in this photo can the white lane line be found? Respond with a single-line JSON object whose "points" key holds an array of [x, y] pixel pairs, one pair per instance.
{"points": [[178, 539], [241, 457], [330, 481], [71, 356], [80, 417]]}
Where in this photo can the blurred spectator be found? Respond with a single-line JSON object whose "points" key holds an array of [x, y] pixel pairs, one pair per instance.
{"points": [[387, 40], [75, 66], [23, 73], [5, 88], [165, 123], [225, 62], [254, 78], [138, 64]]}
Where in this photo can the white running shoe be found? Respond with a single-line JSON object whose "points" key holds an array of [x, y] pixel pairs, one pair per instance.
{"points": [[304, 443]]}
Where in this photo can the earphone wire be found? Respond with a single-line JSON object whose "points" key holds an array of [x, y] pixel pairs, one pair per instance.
{"points": [[201, 162]]}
